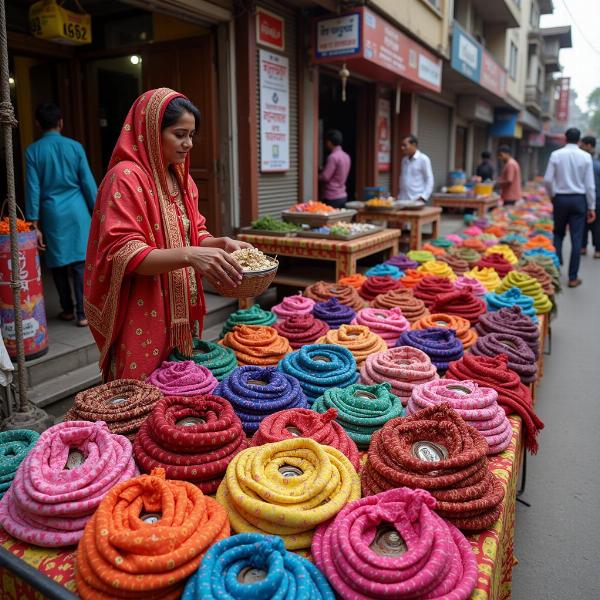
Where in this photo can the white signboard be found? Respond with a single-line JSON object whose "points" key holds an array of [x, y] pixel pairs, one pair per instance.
{"points": [[339, 36], [274, 112]]}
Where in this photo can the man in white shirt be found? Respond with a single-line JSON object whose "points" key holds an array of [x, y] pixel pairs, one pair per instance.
{"points": [[569, 180], [416, 176]]}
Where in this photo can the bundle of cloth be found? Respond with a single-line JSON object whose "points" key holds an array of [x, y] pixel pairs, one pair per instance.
{"points": [[184, 378], [220, 361], [300, 330], [256, 345]]}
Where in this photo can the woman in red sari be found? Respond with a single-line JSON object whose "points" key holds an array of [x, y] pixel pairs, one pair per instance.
{"points": [[148, 246]]}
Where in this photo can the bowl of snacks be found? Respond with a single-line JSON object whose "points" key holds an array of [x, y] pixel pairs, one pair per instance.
{"points": [[380, 204], [258, 272]]}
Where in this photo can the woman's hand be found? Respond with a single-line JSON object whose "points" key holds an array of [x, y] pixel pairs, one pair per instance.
{"points": [[225, 243], [215, 264]]}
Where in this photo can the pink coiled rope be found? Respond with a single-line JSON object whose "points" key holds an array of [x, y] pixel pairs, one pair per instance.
{"points": [[294, 305], [386, 323], [464, 283], [478, 406], [184, 378]]}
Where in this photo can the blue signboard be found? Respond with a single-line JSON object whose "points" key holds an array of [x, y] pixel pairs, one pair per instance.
{"points": [[505, 123], [466, 54]]}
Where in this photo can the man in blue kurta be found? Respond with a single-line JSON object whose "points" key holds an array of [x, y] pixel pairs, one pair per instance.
{"points": [[61, 192]]}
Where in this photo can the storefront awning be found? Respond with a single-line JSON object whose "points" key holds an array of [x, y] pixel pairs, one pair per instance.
{"points": [[374, 48]]}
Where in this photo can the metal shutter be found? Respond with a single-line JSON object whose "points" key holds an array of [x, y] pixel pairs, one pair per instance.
{"points": [[433, 133], [278, 191], [384, 180]]}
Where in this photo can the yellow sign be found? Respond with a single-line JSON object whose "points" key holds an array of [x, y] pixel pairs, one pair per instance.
{"points": [[52, 22]]}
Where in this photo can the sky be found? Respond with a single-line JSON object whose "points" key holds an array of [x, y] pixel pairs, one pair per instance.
{"points": [[580, 62]]}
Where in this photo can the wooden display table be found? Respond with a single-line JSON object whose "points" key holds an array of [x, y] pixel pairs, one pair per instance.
{"points": [[415, 219], [481, 203]]}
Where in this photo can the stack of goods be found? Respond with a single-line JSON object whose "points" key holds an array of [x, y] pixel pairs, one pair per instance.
{"points": [[60, 483], [184, 378], [193, 439], [435, 250], [122, 404], [15, 445], [515, 242], [458, 265], [475, 244], [256, 345], [305, 423], [478, 406], [403, 368], [386, 323], [513, 395], [542, 253], [319, 367], [357, 338], [393, 545], [412, 308], [254, 315], [125, 554], [495, 230], [488, 277], [430, 287], [220, 361], [521, 358], [374, 286], [441, 242], [539, 241], [384, 270], [253, 565], [354, 281], [361, 409], [256, 393], [402, 262], [293, 306], [497, 262], [438, 269], [333, 313], [511, 320], [299, 330], [504, 251], [461, 304], [287, 488], [346, 294], [470, 256], [269, 223], [530, 287], [512, 297], [420, 256], [548, 265], [468, 284], [441, 345], [539, 273], [460, 326], [435, 450], [412, 277]]}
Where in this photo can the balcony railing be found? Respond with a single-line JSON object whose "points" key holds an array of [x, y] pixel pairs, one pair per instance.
{"points": [[533, 97]]}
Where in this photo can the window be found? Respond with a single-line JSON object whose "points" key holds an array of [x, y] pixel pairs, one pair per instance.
{"points": [[534, 18], [512, 61]]}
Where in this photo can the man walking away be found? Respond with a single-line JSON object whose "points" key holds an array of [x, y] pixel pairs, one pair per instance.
{"points": [[510, 178], [485, 169], [416, 176], [569, 180], [588, 143], [335, 173], [61, 192]]}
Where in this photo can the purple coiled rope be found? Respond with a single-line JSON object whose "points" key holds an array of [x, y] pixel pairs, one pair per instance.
{"points": [[440, 344], [334, 313], [402, 262]]}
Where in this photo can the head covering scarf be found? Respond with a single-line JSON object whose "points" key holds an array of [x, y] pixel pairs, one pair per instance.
{"points": [[135, 214]]}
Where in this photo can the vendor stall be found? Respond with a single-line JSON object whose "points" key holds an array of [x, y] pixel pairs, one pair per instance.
{"points": [[481, 203]]}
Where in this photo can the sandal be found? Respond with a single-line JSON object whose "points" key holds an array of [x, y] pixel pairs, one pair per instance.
{"points": [[82, 323], [575, 283], [63, 316], [596, 254]]}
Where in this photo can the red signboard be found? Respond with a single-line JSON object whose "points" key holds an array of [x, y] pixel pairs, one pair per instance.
{"points": [[270, 29], [493, 76], [384, 135], [562, 106]]}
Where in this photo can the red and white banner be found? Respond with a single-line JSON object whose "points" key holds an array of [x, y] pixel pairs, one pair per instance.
{"points": [[562, 106]]}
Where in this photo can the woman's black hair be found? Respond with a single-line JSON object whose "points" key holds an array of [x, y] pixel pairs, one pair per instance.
{"points": [[176, 108]]}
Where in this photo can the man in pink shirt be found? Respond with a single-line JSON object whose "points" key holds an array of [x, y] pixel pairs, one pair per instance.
{"points": [[510, 178], [335, 173]]}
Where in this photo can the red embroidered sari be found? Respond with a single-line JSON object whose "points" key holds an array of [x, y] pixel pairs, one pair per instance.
{"points": [[137, 320]]}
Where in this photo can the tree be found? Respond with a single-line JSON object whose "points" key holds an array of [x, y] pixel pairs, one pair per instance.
{"points": [[594, 111]]}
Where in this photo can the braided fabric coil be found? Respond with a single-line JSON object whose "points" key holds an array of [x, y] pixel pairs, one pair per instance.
{"points": [[375, 285], [461, 303], [287, 488], [548, 264], [539, 241], [458, 265], [495, 230], [184, 378], [354, 281], [302, 422], [468, 284], [286, 575], [15, 445], [441, 242], [403, 368], [513, 396], [346, 294], [402, 262], [467, 492], [412, 308], [542, 252], [220, 361], [51, 499], [333, 313], [441, 345], [358, 339], [254, 315], [478, 406], [299, 330], [122, 404], [124, 554], [361, 409], [319, 367], [469, 255], [539, 273], [191, 438], [437, 562], [256, 345], [435, 250], [460, 326], [512, 297], [420, 256], [430, 287], [438, 269], [505, 251], [475, 244], [487, 276], [257, 392], [530, 287], [497, 262], [521, 358], [293, 306], [412, 277], [386, 323], [384, 270], [512, 321]]}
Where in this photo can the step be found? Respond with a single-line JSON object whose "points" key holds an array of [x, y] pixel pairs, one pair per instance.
{"points": [[218, 309]]}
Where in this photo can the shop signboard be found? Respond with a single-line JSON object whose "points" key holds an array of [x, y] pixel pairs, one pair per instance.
{"points": [[339, 36], [493, 76], [562, 106], [270, 30], [466, 54], [506, 124], [384, 135], [274, 112], [50, 21], [536, 140]]}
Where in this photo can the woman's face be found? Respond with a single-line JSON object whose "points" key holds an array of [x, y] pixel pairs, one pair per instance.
{"points": [[177, 139]]}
